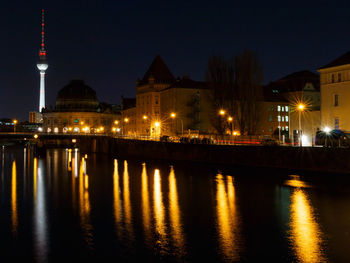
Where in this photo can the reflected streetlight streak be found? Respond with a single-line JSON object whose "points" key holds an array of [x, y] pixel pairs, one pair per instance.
{"points": [[126, 198], [159, 208], [40, 217], [306, 235], [84, 205], [174, 209], [116, 196], [14, 215], [145, 201], [227, 218]]}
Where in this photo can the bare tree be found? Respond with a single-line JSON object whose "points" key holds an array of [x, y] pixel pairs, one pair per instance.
{"points": [[236, 87]]}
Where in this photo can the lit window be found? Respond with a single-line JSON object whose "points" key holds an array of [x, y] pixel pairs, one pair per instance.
{"points": [[279, 127], [278, 118], [282, 108], [286, 118], [336, 123], [282, 118], [278, 108], [282, 128], [287, 109], [287, 128]]}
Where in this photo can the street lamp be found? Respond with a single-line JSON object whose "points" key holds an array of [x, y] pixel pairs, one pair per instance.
{"points": [[300, 108], [222, 112], [14, 125], [173, 116], [116, 122]]}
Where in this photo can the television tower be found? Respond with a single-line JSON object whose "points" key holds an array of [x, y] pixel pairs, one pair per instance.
{"points": [[42, 63]]}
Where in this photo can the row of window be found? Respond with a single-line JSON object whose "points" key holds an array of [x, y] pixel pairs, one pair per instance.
{"points": [[283, 128], [282, 108], [77, 121], [339, 77], [280, 118]]}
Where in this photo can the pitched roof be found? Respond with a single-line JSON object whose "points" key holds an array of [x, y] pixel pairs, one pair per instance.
{"points": [[187, 83], [159, 71], [342, 60], [295, 82]]}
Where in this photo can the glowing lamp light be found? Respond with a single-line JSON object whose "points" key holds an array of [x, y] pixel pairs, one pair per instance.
{"points": [[36, 136], [327, 130], [222, 112], [144, 117], [157, 124], [74, 141], [70, 129], [173, 115], [114, 129], [301, 107], [81, 123], [15, 121], [116, 122], [126, 119], [40, 129], [230, 118], [118, 129]]}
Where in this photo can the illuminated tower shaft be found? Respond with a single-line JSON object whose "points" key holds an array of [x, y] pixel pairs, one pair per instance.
{"points": [[42, 64], [42, 90]]}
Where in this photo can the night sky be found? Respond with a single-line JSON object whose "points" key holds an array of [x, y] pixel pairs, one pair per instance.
{"points": [[111, 43]]}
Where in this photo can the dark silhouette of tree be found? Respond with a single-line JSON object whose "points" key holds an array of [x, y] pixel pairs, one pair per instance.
{"points": [[236, 86]]}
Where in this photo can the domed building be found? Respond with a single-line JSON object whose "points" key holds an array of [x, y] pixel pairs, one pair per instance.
{"points": [[78, 110]]}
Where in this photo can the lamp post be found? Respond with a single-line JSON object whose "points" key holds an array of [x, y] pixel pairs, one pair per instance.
{"points": [[173, 116], [301, 107], [126, 120], [14, 125]]}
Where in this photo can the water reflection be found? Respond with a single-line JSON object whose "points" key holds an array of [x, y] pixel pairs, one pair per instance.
{"points": [[227, 218], [126, 199], [40, 214], [84, 204], [305, 235], [159, 210], [174, 209], [116, 196], [14, 199], [145, 201]]}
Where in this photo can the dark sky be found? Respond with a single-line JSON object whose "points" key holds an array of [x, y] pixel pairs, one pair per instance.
{"points": [[111, 43]]}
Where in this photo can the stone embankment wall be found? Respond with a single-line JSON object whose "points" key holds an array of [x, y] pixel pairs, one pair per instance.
{"points": [[330, 160]]}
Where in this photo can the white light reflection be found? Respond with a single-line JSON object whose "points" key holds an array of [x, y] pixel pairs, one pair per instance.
{"points": [[41, 240]]}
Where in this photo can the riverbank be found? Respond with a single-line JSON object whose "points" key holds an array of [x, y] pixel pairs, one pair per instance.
{"points": [[330, 160]]}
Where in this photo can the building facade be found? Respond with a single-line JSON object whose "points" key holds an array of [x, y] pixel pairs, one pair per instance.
{"points": [[300, 88], [167, 106], [335, 94], [78, 110]]}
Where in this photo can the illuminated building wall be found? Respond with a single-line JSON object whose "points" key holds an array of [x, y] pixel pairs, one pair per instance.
{"points": [[335, 94]]}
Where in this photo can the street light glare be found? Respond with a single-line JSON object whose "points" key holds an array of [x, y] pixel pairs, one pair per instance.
{"points": [[173, 115], [301, 106], [126, 120], [327, 130], [222, 112], [157, 124], [230, 118], [144, 117]]}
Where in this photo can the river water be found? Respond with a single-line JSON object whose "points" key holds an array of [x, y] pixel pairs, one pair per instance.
{"points": [[72, 207]]}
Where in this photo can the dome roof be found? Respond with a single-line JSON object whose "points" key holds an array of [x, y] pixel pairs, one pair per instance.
{"points": [[77, 96]]}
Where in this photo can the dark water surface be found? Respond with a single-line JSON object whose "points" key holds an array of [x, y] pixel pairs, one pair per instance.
{"points": [[68, 207]]}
